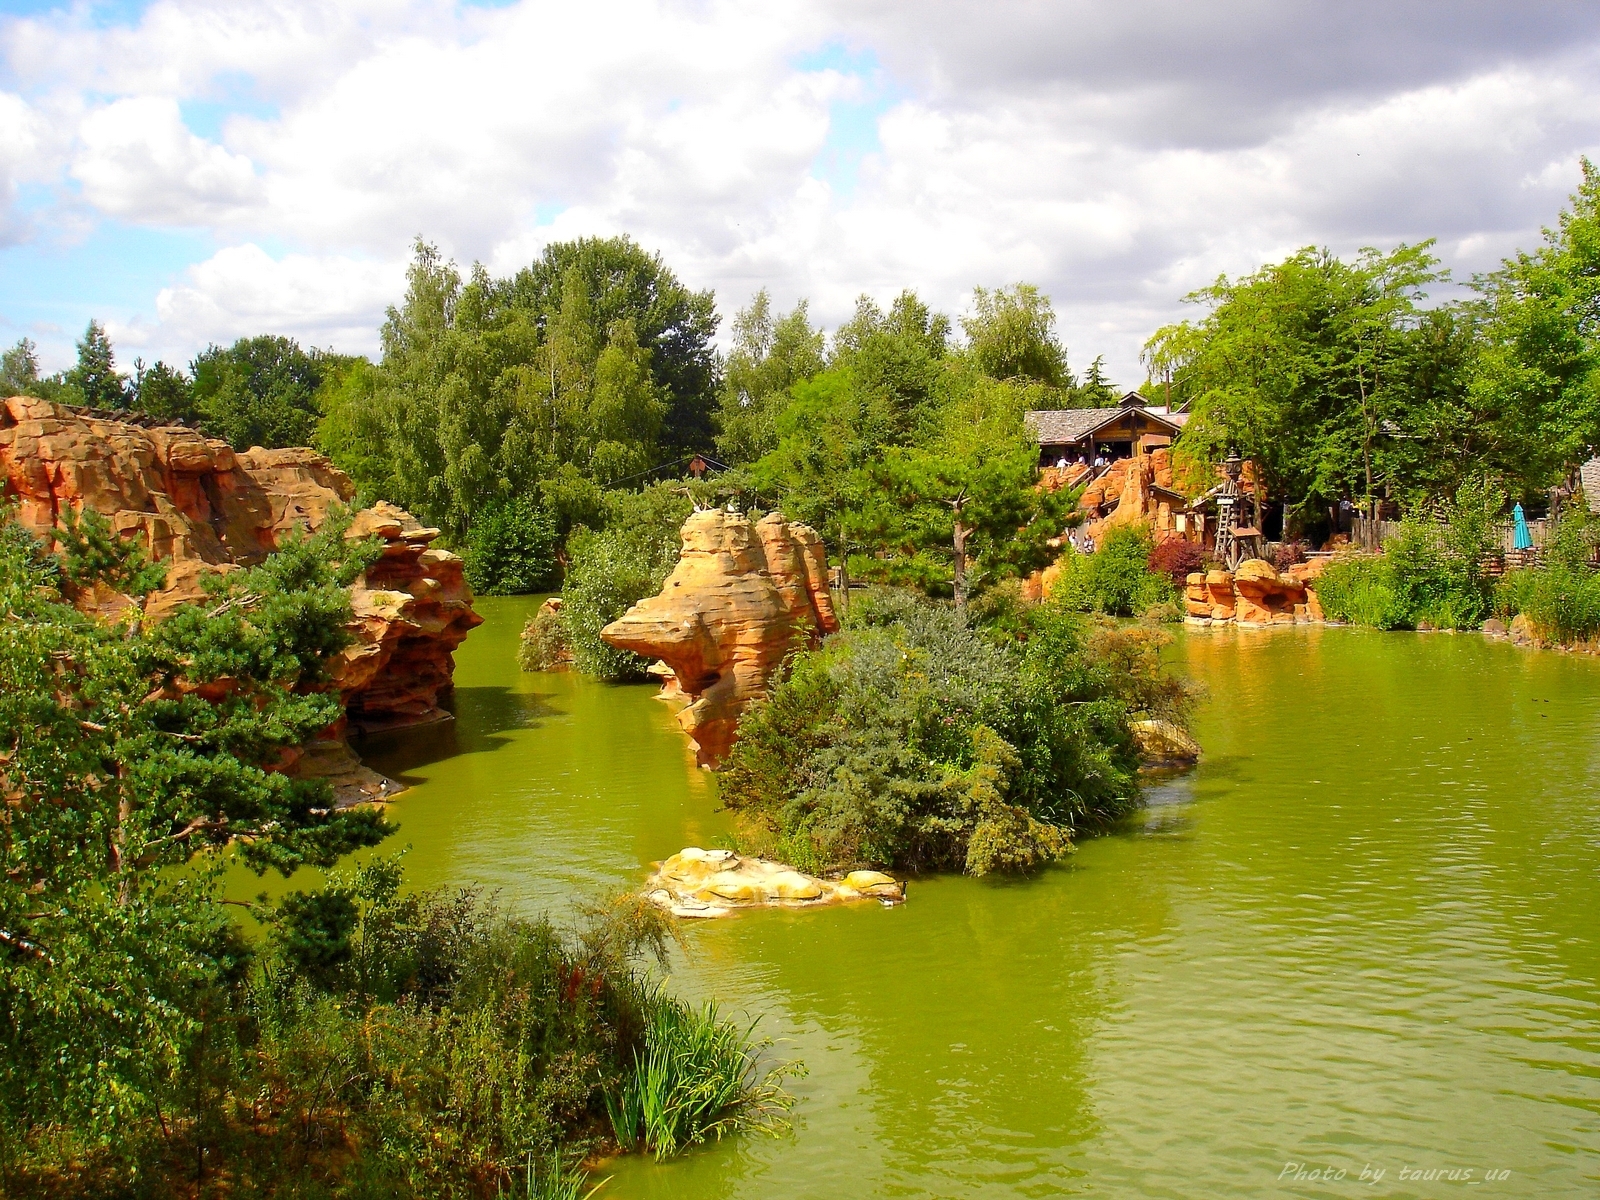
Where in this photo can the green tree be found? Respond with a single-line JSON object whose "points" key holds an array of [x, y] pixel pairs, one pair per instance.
{"points": [[623, 282], [1534, 396], [959, 507], [127, 751], [19, 369], [1096, 391], [512, 550], [494, 389], [95, 377], [1011, 334], [770, 355], [164, 393], [1302, 367], [259, 391]]}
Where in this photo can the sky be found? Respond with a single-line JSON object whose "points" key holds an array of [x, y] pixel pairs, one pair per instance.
{"points": [[194, 171]]}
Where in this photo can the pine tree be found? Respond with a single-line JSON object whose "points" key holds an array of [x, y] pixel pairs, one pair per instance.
{"points": [[95, 377]]}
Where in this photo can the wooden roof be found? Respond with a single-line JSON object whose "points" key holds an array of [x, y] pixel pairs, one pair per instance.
{"points": [[1058, 426]]}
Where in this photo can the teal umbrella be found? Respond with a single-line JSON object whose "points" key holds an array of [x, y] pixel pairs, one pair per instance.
{"points": [[1523, 539]]}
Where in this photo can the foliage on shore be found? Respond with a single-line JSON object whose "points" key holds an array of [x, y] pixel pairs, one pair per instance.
{"points": [[1117, 579], [1338, 381], [375, 1043], [615, 566], [1561, 596], [915, 740], [1432, 573]]}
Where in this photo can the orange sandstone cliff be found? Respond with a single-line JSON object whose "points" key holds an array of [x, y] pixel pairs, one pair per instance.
{"points": [[203, 507], [742, 595]]}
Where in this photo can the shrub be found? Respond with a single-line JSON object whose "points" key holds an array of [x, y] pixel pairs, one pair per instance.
{"points": [[1116, 579], [543, 645], [511, 550], [1359, 590], [1288, 554], [1561, 597], [1177, 559], [611, 570], [914, 740], [1430, 572]]}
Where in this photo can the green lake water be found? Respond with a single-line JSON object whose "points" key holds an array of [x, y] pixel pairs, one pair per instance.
{"points": [[1364, 933]]}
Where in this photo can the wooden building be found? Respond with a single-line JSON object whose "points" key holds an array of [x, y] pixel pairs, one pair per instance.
{"points": [[1083, 435]]}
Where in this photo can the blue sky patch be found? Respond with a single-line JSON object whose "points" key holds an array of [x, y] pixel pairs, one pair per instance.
{"points": [[852, 123], [49, 290], [103, 13]]}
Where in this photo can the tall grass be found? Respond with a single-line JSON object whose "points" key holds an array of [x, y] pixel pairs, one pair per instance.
{"points": [[551, 1178], [696, 1079]]}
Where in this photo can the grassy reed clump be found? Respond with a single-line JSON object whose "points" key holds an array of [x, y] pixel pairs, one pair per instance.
{"points": [[697, 1079], [393, 1044]]}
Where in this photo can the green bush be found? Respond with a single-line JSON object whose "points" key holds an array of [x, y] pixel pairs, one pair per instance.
{"points": [[1430, 572], [611, 570], [1116, 579], [1360, 591], [913, 740], [1561, 597], [543, 645], [376, 1043], [511, 550]]}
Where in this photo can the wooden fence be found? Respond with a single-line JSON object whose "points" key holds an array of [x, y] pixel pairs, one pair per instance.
{"points": [[1371, 535]]}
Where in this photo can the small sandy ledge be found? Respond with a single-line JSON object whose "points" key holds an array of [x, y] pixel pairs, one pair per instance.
{"points": [[716, 883]]}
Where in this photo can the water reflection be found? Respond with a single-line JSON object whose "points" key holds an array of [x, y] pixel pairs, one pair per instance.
{"points": [[1363, 931], [483, 715]]}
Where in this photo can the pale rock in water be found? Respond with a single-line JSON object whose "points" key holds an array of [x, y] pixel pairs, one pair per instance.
{"points": [[1164, 744], [714, 883]]}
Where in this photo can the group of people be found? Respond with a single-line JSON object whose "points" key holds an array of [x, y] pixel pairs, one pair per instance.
{"points": [[1082, 460]]}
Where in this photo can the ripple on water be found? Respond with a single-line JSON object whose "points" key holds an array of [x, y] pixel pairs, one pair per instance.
{"points": [[1363, 932]]}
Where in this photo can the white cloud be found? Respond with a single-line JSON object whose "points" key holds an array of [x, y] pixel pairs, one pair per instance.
{"points": [[136, 159], [319, 300], [1117, 154]]}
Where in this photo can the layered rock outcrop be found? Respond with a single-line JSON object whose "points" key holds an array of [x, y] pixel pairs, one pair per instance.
{"points": [[742, 595], [1255, 594], [204, 508]]}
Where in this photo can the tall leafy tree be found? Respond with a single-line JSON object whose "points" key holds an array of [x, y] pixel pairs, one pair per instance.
{"points": [[771, 353], [624, 282], [1302, 368], [19, 369], [542, 387], [879, 388], [1011, 334], [1535, 390]]}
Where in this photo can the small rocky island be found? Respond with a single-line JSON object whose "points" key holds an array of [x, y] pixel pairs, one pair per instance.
{"points": [[716, 883]]}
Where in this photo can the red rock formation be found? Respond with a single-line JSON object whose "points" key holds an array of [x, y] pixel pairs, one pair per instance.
{"points": [[740, 597], [197, 503], [1255, 594]]}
